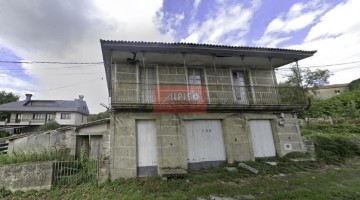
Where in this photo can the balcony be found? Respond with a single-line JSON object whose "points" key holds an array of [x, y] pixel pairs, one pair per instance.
{"points": [[206, 97]]}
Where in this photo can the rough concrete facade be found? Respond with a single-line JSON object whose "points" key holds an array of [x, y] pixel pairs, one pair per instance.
{"points": [[28, 176], [231, 87], [172, 144]]}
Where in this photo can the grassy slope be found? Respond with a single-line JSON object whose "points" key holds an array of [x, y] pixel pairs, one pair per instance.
{"points": [[304, 182], [307, 180]]}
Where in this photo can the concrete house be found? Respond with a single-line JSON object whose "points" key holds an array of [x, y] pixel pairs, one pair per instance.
{"points": [[328, 91], [192, 106], [28, 114]]}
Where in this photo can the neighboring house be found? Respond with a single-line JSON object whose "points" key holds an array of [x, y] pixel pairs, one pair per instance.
{"points": [[27, 115], [70, 138], [191, 106], [328, 91]]}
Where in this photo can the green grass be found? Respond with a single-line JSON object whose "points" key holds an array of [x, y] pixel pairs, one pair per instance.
{"points": [[305, 182], [338, 130], [334, 143], [6, 159]]}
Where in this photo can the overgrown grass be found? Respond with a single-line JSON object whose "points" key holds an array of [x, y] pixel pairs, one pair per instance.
{"points": [[338, 130], [63, 154], [342, 183], [334, 143]]}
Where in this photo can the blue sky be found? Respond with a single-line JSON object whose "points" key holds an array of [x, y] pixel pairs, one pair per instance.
{"points": [[69, 31]]}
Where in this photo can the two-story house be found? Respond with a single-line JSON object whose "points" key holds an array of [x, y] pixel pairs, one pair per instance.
{"points": [[192, 106], [29, 114]]}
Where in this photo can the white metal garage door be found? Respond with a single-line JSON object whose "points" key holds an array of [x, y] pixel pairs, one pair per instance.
{"points": [[146, 148], [205, 143], [262, 138]]}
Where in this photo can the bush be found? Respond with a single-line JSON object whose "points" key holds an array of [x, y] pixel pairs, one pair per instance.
{"points": [[338, 130], [4, 134], [335, 150], [49, 126], [4, 192]]}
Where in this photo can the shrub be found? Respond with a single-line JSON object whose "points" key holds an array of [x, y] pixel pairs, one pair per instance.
{"points": [[49, 126], [4, 134], [335, 150]]}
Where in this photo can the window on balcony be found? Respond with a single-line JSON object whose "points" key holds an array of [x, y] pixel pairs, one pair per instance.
{"points": [[240, 90], [65, 116], [147, 84], [39, 116], [18, 117], [49, 117], [195, 76]]}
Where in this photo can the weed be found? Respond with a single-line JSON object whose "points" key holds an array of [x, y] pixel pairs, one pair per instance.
{"points": [[6, 159], [335, 150], [4, 192]]}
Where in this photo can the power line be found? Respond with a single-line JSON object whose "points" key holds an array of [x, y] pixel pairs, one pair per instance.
{"points": [[20, 75], [65, 67], [70, 85], [326, 65], [50, 62]]}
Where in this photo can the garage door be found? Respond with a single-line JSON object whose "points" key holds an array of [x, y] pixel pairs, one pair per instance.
{"points": [[146, 148], [262, 138], [205, 144]]}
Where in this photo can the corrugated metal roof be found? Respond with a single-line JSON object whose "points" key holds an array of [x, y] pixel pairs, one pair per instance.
{"points": [[201, 45]]}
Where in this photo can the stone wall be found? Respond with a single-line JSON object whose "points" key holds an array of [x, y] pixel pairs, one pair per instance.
{"points": [[27, 176]]}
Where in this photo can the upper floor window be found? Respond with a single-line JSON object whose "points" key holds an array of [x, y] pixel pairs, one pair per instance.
{"points": [[241, 92], [39, 116], [49, 117], [195, 76], [147, 83], [18, 117], [65, 116]]}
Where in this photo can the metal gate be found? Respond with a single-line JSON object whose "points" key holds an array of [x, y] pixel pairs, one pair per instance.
{"points": [[75, 172]]}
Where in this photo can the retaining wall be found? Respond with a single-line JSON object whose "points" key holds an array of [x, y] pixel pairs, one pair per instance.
{"points": [[27, 176]]}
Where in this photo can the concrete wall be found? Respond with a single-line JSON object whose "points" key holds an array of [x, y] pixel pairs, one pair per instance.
{"points": [[53, 140], [28, 176], [171, 138]]}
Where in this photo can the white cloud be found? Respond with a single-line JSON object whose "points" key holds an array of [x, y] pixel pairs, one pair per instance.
{"points": [[342, 19], [69, 31], [10, 81], [299, 16], [229, 19], [337, 39]]}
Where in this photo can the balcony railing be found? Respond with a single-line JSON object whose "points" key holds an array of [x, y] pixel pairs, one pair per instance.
{"points": [[230, 95]]}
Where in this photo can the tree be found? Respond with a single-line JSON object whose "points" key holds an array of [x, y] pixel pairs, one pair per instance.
{"points": [[49, 126], [101, 115], [354, 85], [307, 78], [7, 97]]}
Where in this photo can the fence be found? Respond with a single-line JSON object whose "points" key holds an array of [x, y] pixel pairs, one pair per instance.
{"points": [[75, 172], [207, 94]]}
